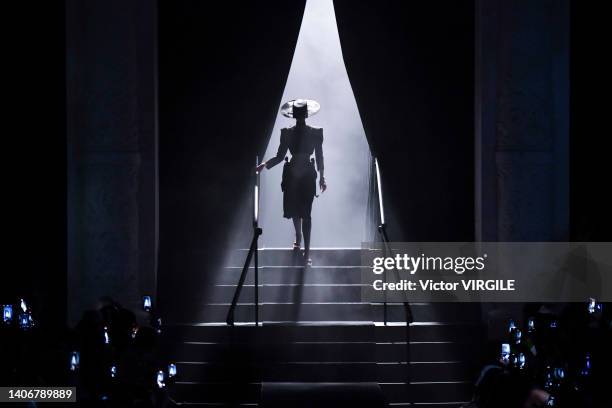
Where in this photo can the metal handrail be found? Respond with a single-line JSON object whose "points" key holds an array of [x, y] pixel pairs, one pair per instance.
{"points": [[256, 195], [387, 249], [380, 196], [381, 226], [382, 230], [253, 253]]}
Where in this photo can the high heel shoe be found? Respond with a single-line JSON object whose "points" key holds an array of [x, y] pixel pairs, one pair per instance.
{"points": [[307, 261]]}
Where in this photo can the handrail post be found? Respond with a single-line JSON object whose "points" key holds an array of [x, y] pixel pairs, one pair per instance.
{"points": [[245, 269], [381, 226], [258, 232], [253, 250], [380, 196], [387, 252], [385, 240], [256, 284]]}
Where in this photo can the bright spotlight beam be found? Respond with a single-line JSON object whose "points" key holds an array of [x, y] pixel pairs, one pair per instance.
{"points": [[318, 72]]}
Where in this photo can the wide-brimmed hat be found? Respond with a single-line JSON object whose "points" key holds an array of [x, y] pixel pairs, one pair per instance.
{"points": [[311, 107]]}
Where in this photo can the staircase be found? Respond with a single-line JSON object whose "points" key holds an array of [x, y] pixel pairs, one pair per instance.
{"points": [[316, 329]]}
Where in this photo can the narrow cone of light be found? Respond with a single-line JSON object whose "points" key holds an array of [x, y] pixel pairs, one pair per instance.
{"points": [[318, 73]]}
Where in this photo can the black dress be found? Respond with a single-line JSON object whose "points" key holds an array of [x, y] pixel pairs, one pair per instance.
{"points": [[299, 183]]}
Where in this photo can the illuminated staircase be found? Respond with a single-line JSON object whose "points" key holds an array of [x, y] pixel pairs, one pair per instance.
{"points": [[315, 328]]}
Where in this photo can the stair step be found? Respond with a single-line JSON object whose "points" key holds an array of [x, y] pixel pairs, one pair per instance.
{"points": [[439, 331], [393, 405], [289, 292], [336, 311], [245, 352], [429, 312], [283, 312], [424, 371], [294, 275], [287, 257], [430, 392], [216, 392], [452, 331], [222, 405], [291, 371], [224, 392], [270, 334], [330, 371], [424, 352], [324, 352], [306, 293]]}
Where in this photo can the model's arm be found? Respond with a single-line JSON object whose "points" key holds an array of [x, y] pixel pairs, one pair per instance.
{"points": [[320, 161], [280, 153]]}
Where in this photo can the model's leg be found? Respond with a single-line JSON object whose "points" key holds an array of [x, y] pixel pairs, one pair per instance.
{"points": [[297, 224], [306, 226]]}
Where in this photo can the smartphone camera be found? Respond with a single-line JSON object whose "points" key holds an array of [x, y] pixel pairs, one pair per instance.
{"points": [[159, 379], [75, 360], [157, 325], [585, 371], [531, 325], [106, 337], [593, 306], [521, 361], [171, 370], [146, 303], [517, 335], [7, 314], [511, 326], [505, 353], [559, 373], [25, 321]]}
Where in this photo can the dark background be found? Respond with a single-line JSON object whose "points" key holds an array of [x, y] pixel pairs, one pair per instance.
{"points": [[224, 99], [32, 44], [590, 144], [411, 67]]}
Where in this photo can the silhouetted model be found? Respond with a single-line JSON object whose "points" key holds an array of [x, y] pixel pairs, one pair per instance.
{"points": [[299, 174]]}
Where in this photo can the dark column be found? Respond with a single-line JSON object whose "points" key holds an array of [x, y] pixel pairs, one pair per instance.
{"points": [[522, 109], [112, 151], [522, 133]]}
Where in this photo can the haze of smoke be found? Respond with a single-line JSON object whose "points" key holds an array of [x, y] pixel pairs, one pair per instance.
{"points": [[318, 72]]}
